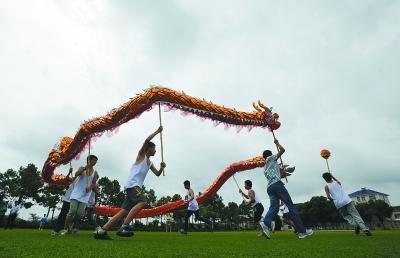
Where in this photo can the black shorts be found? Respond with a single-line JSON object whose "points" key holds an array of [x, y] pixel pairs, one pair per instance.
{"points": [[258, 211], [133, 196], [286, 216]]}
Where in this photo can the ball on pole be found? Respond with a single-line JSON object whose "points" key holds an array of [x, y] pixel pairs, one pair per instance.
{"points": [[325, 153]]}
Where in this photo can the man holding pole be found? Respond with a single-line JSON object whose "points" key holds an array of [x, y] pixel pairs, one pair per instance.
{"points": [[134, 199], [254, 201], [344, 204], [277, 191]]}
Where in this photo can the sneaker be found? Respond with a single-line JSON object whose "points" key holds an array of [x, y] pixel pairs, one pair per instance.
{"points": [[265, 230], [124, 232], [102, 235], [357, 230], [55, 233], [65, 232], [97, 229], [260, 234], [74, 231], [183, 232], [130, 228], [290, 169], [308, 232], [367, 232]]}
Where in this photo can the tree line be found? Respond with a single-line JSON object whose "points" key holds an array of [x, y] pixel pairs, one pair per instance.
{"points": [[25, 186]]}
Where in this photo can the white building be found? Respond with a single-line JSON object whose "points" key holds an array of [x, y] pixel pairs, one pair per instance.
{"points": [[364, 195], [396, 213]]}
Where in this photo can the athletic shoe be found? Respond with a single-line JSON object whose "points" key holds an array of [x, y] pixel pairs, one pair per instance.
{"points": [[124, 232], [290, 169], [265, 230], [367, 232], [74, 231], [65, 232], [260, 234], [55, 233], [357, 230], [102, 235], [183, 232], [308, 232], [130, 228]]}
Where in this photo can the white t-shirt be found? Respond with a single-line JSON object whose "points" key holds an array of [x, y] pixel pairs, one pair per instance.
{"points": [[15, 208], [284, 209], [193, 204], [340, 198], [79, 192], [256, 200], [67, 195], [138, 173], [92, 199]]}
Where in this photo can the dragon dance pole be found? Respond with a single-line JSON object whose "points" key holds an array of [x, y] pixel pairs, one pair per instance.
{"points": [[280, 158], [162, 146], [234, 178]]}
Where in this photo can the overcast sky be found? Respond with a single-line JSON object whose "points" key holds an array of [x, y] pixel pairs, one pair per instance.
{"points": [[329, 68]]}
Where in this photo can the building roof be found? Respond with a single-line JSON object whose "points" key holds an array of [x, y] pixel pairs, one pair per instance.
{"points": [[364, 191]]}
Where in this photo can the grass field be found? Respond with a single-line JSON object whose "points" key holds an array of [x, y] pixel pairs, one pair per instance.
{"points": [[34, 243]]}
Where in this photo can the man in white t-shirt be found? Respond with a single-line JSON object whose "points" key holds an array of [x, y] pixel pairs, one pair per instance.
{"points": [[334, 192], [193, 208], [43, 221], [254, 201], [15, 207], [134, 199]]}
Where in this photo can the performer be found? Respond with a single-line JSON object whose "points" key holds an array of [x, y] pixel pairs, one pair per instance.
{"points": [[334, 191], [134, 199], [277, 191], [86, 178], [254, 201], [193, 208]]}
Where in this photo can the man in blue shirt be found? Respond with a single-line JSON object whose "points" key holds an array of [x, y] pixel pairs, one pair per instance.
{"points": [[277, 191]]}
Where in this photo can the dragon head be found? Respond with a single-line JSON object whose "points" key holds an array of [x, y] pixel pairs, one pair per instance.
{"points": [[265, 113]]}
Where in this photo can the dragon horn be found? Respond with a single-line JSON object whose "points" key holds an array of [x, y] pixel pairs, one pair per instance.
{"points": [[264, 107], [257, 107]]}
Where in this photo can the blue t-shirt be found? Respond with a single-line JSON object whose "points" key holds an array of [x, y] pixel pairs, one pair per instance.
{"points": [[43, 220], [271, 170]]}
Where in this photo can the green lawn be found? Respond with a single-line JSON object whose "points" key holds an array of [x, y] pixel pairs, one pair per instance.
{"points": [[34, 243]]}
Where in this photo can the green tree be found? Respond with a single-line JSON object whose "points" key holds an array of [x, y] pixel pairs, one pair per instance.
{"points": [[50, 197], [9, 183], [110, 192]]}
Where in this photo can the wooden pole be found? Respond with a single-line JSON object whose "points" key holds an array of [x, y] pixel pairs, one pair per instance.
{"points": [[280, 158], [161, 140], [238, 187], [327, 164]]}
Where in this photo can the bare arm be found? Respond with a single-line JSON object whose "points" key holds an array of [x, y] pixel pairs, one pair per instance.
{"points": [[158, 172], [148, 139], [243, 194], [80, 171], [281, 150], [336, 179], [328, 194], [70, 172]]}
